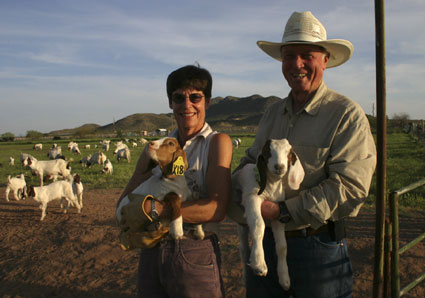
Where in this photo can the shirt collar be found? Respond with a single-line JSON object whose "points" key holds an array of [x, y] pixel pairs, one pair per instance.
{"points": [[204, 132], [312, 107]]}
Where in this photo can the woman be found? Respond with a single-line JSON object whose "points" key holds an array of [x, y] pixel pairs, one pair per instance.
{"points": [[189, 267]]}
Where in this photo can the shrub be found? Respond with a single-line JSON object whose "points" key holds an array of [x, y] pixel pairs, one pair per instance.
{"points": [[8, 137]]}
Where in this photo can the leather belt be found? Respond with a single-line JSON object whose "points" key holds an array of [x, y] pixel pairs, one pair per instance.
{"points": [[307, 232]]}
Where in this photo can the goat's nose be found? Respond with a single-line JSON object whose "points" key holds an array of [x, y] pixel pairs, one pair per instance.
{"points": [[279, 168]]}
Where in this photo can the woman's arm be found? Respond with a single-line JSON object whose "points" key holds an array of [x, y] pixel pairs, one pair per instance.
{"points": [[213, 207]]}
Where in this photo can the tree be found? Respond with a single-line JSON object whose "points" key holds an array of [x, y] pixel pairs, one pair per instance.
{"points": [[8, 137], [400, 119], [33, 134]]}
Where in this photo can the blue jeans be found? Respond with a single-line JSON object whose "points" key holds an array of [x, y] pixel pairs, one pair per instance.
{"points": [[181, 268], [318, 267]]}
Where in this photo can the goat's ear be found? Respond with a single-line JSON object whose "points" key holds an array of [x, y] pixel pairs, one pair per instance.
{"points": [[296, 171], [151, 165], [182, 153], [262, 170], [169, 168]]}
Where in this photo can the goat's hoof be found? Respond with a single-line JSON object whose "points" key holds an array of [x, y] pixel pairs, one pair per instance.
{"points": [[285, 283], [177, 237], [259, 269]]}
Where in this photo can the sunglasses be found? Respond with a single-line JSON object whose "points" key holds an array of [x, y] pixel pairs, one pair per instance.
{"points": [[179, 98]]}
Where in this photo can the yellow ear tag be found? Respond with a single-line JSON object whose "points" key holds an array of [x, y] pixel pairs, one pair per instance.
{"points": [[178, 166]]}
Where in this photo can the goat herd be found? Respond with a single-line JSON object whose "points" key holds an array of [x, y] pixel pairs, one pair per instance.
{"points": [[69, 190]]}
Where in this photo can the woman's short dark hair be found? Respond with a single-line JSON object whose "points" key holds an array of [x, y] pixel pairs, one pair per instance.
{"points": [[189, 76]]}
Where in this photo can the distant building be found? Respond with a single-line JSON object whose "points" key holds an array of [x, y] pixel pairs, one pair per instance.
{"points": [[160, 132]]}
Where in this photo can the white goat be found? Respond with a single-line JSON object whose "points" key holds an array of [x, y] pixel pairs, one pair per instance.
{"points": [[54, 191], [50, 168], [143, 141], [118, 146], [279, 167], [107, 167], [97, 158], [124, 153], [87, 146], [24, 159], [55, 152], [105, 146], [38, 147], [134, 144], [85, 160], [71, 144], [11, 161], [18, 187], [171, 158], [75, 149], [77, 189]]}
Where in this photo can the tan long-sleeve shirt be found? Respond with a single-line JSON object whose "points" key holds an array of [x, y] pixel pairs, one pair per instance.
{"points": [[332, 138]]}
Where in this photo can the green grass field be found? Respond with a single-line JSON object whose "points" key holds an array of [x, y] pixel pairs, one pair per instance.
{"points": [[405, 164]]}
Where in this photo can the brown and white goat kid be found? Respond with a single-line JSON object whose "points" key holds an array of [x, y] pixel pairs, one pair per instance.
{"points": [[172, 162], [77, 189], [55, 191], [107, 167], [279, 167]]}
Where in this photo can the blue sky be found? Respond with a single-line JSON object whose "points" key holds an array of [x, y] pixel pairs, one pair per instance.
{"points": [[67, 63]]}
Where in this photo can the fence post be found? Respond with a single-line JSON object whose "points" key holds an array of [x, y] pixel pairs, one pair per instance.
{"points": [[395, 256], [387, 258]]}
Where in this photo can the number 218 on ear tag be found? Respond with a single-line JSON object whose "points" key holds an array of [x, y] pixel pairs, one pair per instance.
{"points": [[178, 166]]}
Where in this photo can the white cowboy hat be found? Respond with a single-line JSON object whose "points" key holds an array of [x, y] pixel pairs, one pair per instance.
{"points": [[304, 28]]}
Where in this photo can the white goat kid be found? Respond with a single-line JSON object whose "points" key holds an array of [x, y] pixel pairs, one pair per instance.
{"points": [[279, 167], [18, 187], [55, 191], [11, 161], [51, 168], [166, 153]]}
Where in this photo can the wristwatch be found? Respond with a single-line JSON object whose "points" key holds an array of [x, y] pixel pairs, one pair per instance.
{"points": [[154, 213], [284, 216]]}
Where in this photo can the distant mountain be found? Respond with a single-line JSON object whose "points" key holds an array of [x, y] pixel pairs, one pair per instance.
{"points": [[229, 114]]}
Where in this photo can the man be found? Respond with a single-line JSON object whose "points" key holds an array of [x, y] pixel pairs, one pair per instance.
{"points": [[331, 136]]}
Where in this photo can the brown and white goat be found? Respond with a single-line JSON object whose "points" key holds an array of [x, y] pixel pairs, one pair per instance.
{"points": [[50, 168], [279, 167], [169, 179], [58, 190]]}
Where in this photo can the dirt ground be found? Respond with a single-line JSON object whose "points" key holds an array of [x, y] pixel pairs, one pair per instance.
{"points": [[78, 255]]}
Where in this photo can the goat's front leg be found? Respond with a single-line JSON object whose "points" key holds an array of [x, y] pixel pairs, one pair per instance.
{"points": [[176, 225], [278, 229], [176, 228], [43, 207], [252, 204]]}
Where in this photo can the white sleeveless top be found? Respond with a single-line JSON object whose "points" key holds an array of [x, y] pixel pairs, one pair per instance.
{"points": [[197, 149]]}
